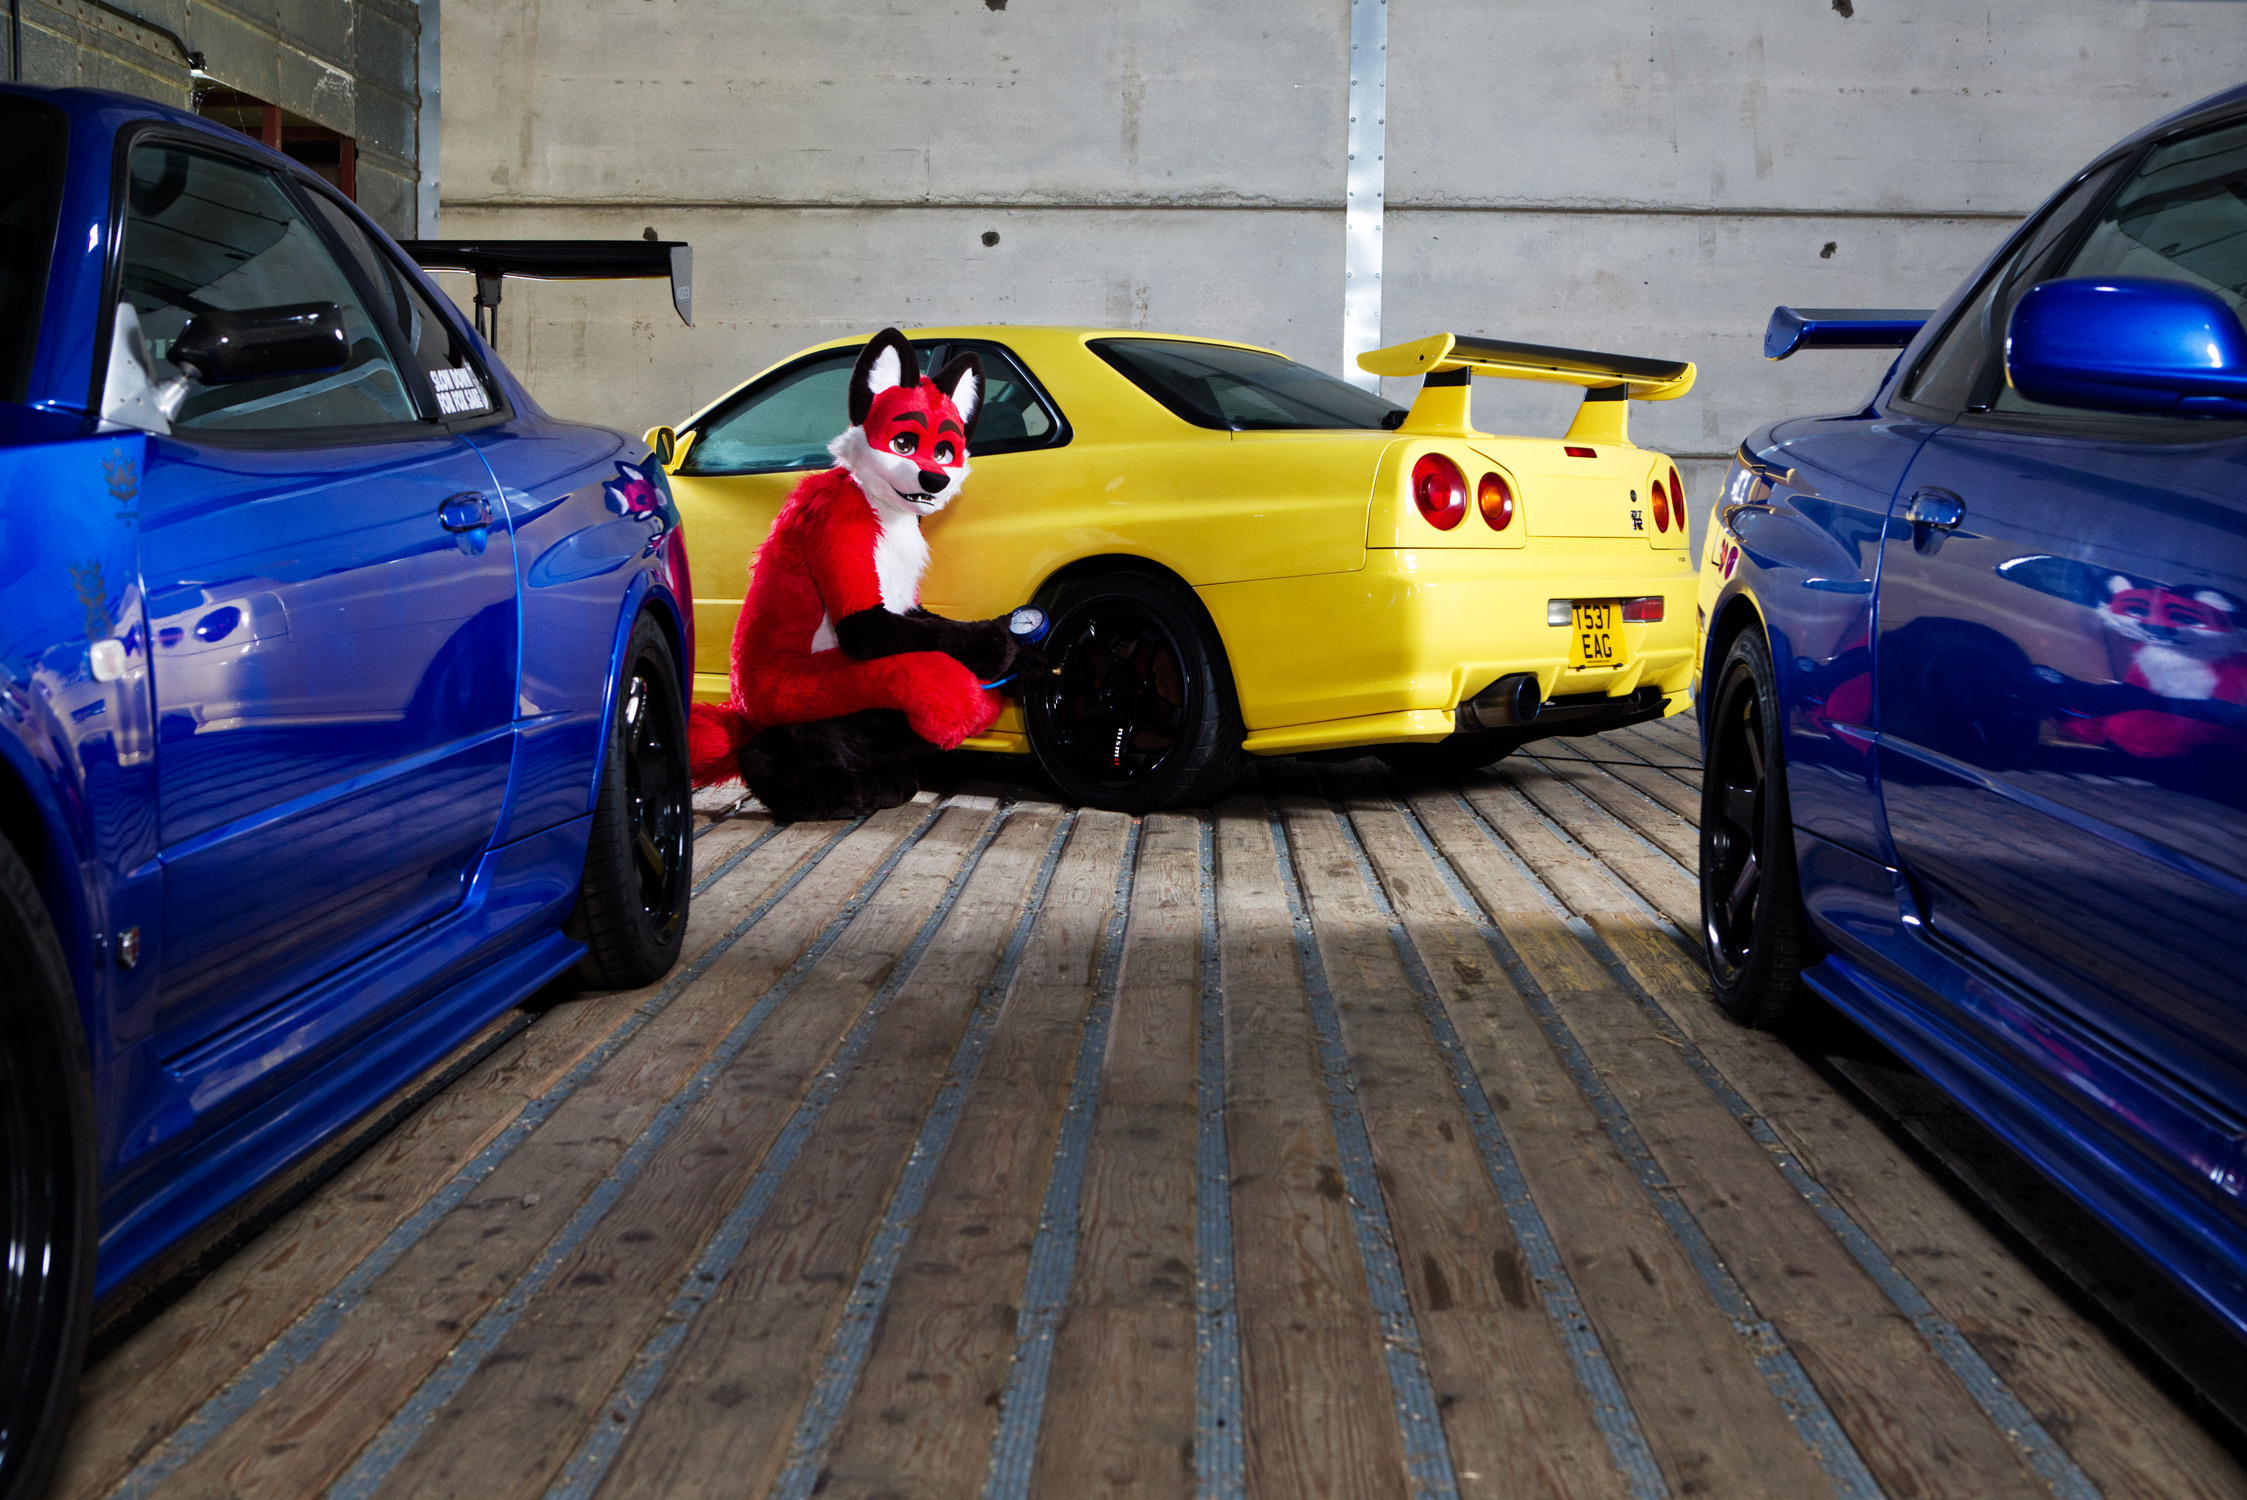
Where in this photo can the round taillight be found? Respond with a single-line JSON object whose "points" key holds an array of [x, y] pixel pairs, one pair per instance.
{"points": [[1495, 498], [1440, 490], [1677, 497], [1661, 507]]}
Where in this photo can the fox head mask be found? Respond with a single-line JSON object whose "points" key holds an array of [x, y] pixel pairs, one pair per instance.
{"points": [[907, 443]]}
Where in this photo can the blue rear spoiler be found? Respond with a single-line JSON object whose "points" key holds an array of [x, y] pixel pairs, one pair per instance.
{"points": [[1795, 328]]}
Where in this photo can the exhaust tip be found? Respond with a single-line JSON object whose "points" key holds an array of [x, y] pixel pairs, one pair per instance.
{"points": [[1510, 701]]}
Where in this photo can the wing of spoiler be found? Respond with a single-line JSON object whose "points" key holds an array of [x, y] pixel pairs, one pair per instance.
{"points": [[1793, 328], [492, 261], [1450, 361]]}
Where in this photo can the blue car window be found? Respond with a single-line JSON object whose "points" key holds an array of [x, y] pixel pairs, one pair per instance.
{"points": [[203, 231], [1955, 372], [29, 192], [460, 388], [2181, 217]]}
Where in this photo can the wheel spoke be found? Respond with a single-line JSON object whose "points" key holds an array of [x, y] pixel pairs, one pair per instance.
{"points": [[1752, 741], [1739, 905], [1739, 808]]}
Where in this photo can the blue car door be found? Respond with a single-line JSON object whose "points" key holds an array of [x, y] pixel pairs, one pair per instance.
{"points": [[330, 597], [2061, 675]]}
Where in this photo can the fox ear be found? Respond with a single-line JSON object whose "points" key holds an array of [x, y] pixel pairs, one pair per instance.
{"points": [[886, 361], [961, 380]]}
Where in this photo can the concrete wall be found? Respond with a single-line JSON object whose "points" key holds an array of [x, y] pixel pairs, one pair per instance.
{"points": [[1642, 175], [347, 64]]}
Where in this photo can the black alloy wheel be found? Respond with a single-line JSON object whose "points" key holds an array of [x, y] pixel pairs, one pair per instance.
{"points": [[1139, 714], [1752, 921], [48, 1187], [639, 861]]}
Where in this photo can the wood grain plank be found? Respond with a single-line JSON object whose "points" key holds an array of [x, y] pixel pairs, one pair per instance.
{"points": [[1655, 876], [1310, 1345], [1532, 1432], [516, 1421], [926, 1408], [299, 1437], [156, 1379], [1675, 833], [1119, 1416], [1703, 1407], [1913, 1423], [721, 1419]]}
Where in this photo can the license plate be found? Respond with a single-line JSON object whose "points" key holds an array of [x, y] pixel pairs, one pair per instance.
{"points": [[1599, 634]]}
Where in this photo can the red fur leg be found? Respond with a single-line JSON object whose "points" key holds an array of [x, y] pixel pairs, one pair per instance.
{"points": [[715, 735], [943, 702]]}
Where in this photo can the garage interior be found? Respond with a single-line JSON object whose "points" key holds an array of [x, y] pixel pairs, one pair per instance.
{"points": [[1360, 1136]]}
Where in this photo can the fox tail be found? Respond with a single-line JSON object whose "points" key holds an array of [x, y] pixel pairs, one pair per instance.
{"points": [[715, 734]]}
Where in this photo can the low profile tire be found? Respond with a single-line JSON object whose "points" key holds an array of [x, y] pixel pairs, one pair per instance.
{"points": [[639, 863], [48, 1187], [1455, 756], [1140, 712], [1752, 921]]}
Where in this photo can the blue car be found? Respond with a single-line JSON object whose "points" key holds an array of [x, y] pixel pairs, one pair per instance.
{"points": [[1973, 696], [341, 699]]}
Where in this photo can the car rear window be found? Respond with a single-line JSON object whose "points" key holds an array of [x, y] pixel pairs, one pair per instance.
{"points": [[30, 189], [1219, 385]]}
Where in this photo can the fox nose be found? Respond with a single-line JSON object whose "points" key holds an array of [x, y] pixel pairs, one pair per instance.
{"points": [[933, 481]]}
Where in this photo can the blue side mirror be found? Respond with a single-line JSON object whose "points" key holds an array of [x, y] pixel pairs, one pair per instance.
{"points": [[2129, 343]]}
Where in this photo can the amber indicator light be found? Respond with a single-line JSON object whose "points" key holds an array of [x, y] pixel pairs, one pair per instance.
{"points": [[1495, 498]]}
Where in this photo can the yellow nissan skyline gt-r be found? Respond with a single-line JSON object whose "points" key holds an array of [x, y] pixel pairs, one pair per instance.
{"points": [[1239, 554]]}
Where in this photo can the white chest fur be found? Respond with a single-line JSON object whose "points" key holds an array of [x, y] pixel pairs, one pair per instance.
{"points": [[900, 557]]}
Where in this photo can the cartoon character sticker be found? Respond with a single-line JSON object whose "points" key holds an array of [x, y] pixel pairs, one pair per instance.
{"points": [[640, 490]]}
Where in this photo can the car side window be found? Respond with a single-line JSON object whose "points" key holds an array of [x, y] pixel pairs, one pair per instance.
{"points": [[1955, 375], [204, 231], [1015, 418], [2182, 216], [461, 389], [786, 424]]}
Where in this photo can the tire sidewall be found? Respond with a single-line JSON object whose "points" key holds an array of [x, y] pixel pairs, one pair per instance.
{"points": [[1764, 988], [1203, 758], [639, 948], [42, 1034]]}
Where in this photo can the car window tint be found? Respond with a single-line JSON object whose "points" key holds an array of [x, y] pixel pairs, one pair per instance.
{"points": [[1957, 372], [2181, 217], [1013, 417], [203, 231], [459, 385], [1215, 385], [785, 424], [29, 191]]}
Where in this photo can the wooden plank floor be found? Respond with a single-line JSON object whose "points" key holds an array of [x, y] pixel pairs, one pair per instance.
{"points": [[1358, 1137]]}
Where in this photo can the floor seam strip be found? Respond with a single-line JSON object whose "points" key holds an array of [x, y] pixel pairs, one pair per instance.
{"points": [[404, 1430], [1419, 1420], [1053, 1253], [313, 1327], [853, 1338], [589, 1463], [1611, 1408], [1220, 1468]]}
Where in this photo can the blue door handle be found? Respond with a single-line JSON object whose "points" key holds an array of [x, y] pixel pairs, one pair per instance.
{"points": [[1939, 509], [467, 511]]}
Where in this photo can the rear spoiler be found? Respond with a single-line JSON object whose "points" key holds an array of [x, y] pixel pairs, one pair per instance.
{"points": [[1794, 328], [491, 261], [1450, 361]]}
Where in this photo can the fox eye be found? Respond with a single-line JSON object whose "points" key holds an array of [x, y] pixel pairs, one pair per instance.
{"points": [[945, 454], [904, 442]]}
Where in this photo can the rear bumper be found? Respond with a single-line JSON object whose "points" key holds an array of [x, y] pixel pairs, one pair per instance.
{"points": [[1386, 654]]}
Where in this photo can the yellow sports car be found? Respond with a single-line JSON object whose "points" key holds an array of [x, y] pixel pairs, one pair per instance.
{"points": [[1240, 554]]}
